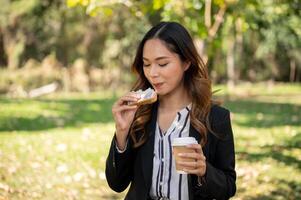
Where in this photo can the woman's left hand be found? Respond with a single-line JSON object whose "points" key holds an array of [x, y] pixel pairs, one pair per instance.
{"points": [[197, 167]]}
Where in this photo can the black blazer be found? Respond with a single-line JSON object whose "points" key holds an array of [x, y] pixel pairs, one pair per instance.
{"points": [[135, 165]]}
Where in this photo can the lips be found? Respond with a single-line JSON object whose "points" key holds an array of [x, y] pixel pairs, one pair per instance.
{"points": [[157, 85]]}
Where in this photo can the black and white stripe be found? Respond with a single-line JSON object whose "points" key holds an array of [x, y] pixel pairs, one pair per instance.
{"points": [[166, 182]]}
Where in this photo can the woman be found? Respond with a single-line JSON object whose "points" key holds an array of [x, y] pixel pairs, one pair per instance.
{"points": [[141, 152]]}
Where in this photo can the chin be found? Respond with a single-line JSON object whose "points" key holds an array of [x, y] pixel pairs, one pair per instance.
{"points": [[159, 93], [162, 93]]}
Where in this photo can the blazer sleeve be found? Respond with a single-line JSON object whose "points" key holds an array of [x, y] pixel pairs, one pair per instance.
{"points": [[119, 167], [219, 180]]}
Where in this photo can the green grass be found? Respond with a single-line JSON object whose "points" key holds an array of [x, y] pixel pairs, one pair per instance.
{"points": [[55, 147]]}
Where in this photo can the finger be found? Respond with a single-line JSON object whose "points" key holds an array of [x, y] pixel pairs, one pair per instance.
{"points": [[125, 99], [126, 107], [131, 103], [118, 109], [133, 94], [187, 164], [194, 164], [129, 96], [197, 147], [192, 171], [196, 156]]}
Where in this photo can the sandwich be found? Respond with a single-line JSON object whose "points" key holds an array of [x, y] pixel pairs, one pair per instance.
{"points": [[147, 96]]}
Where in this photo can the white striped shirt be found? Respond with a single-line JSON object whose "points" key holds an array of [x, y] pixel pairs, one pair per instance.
{"points": [[166, 182]]}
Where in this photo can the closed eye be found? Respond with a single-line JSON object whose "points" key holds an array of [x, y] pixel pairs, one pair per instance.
{"points": [[146, 65], [162, 65]]}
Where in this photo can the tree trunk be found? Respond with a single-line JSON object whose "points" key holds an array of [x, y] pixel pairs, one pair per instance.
{"points": [[3, 60], [238, 48], [208, 14], [292, 70], [230, 64], [63, 46], [219, 18], [200, 46], [14, 44], [273, 66]]}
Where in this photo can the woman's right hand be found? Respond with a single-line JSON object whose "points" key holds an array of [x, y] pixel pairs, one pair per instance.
{"points": [[124, 115]]}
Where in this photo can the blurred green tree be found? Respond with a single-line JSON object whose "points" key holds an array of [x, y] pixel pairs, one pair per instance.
{"points": [[240, 40]]}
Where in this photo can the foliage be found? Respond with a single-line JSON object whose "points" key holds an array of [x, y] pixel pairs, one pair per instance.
{"points": [[40, 28], [240, 40], [274, 35], [266, 35]]}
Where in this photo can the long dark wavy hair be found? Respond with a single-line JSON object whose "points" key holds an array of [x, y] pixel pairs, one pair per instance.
{"points": [[196, 80]]}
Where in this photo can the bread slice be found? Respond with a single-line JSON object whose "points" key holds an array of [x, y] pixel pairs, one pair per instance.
{"points": [[147, 96]]}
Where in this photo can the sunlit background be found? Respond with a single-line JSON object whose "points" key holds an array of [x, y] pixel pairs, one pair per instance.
{"points": [[64, 63]]}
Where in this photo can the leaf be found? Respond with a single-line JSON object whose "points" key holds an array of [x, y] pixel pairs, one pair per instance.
{"points": [[73, 3]]}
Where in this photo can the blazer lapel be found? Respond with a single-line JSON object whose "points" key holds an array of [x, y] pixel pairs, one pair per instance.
{"points": [[147, 150], [197, 136]]}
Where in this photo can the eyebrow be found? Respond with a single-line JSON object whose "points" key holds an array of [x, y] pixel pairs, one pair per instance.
{"points": [[158, 58]]}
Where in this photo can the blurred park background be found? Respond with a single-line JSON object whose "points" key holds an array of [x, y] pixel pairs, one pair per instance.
{"points": [[63, 63]]}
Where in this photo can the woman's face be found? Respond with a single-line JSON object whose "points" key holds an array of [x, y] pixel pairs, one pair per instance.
{"points": [[162, 68]]}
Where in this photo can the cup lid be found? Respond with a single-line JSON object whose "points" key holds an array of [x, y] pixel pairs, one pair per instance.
{"points": [[183, 141]]}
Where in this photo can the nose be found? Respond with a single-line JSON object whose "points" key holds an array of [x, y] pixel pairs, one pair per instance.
{"points": [[153, 71]]}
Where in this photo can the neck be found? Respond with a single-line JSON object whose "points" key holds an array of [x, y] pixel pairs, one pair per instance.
{"points": [[175, 100]]}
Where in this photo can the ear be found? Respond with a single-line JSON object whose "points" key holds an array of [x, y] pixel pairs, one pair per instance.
{"points": [[186, 65]]}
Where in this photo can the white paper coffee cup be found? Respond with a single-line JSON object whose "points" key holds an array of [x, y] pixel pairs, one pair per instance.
{"points": [[179, 146]]}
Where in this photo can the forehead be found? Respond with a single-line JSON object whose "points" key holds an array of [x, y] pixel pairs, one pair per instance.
{"points": [[155, 48]]}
